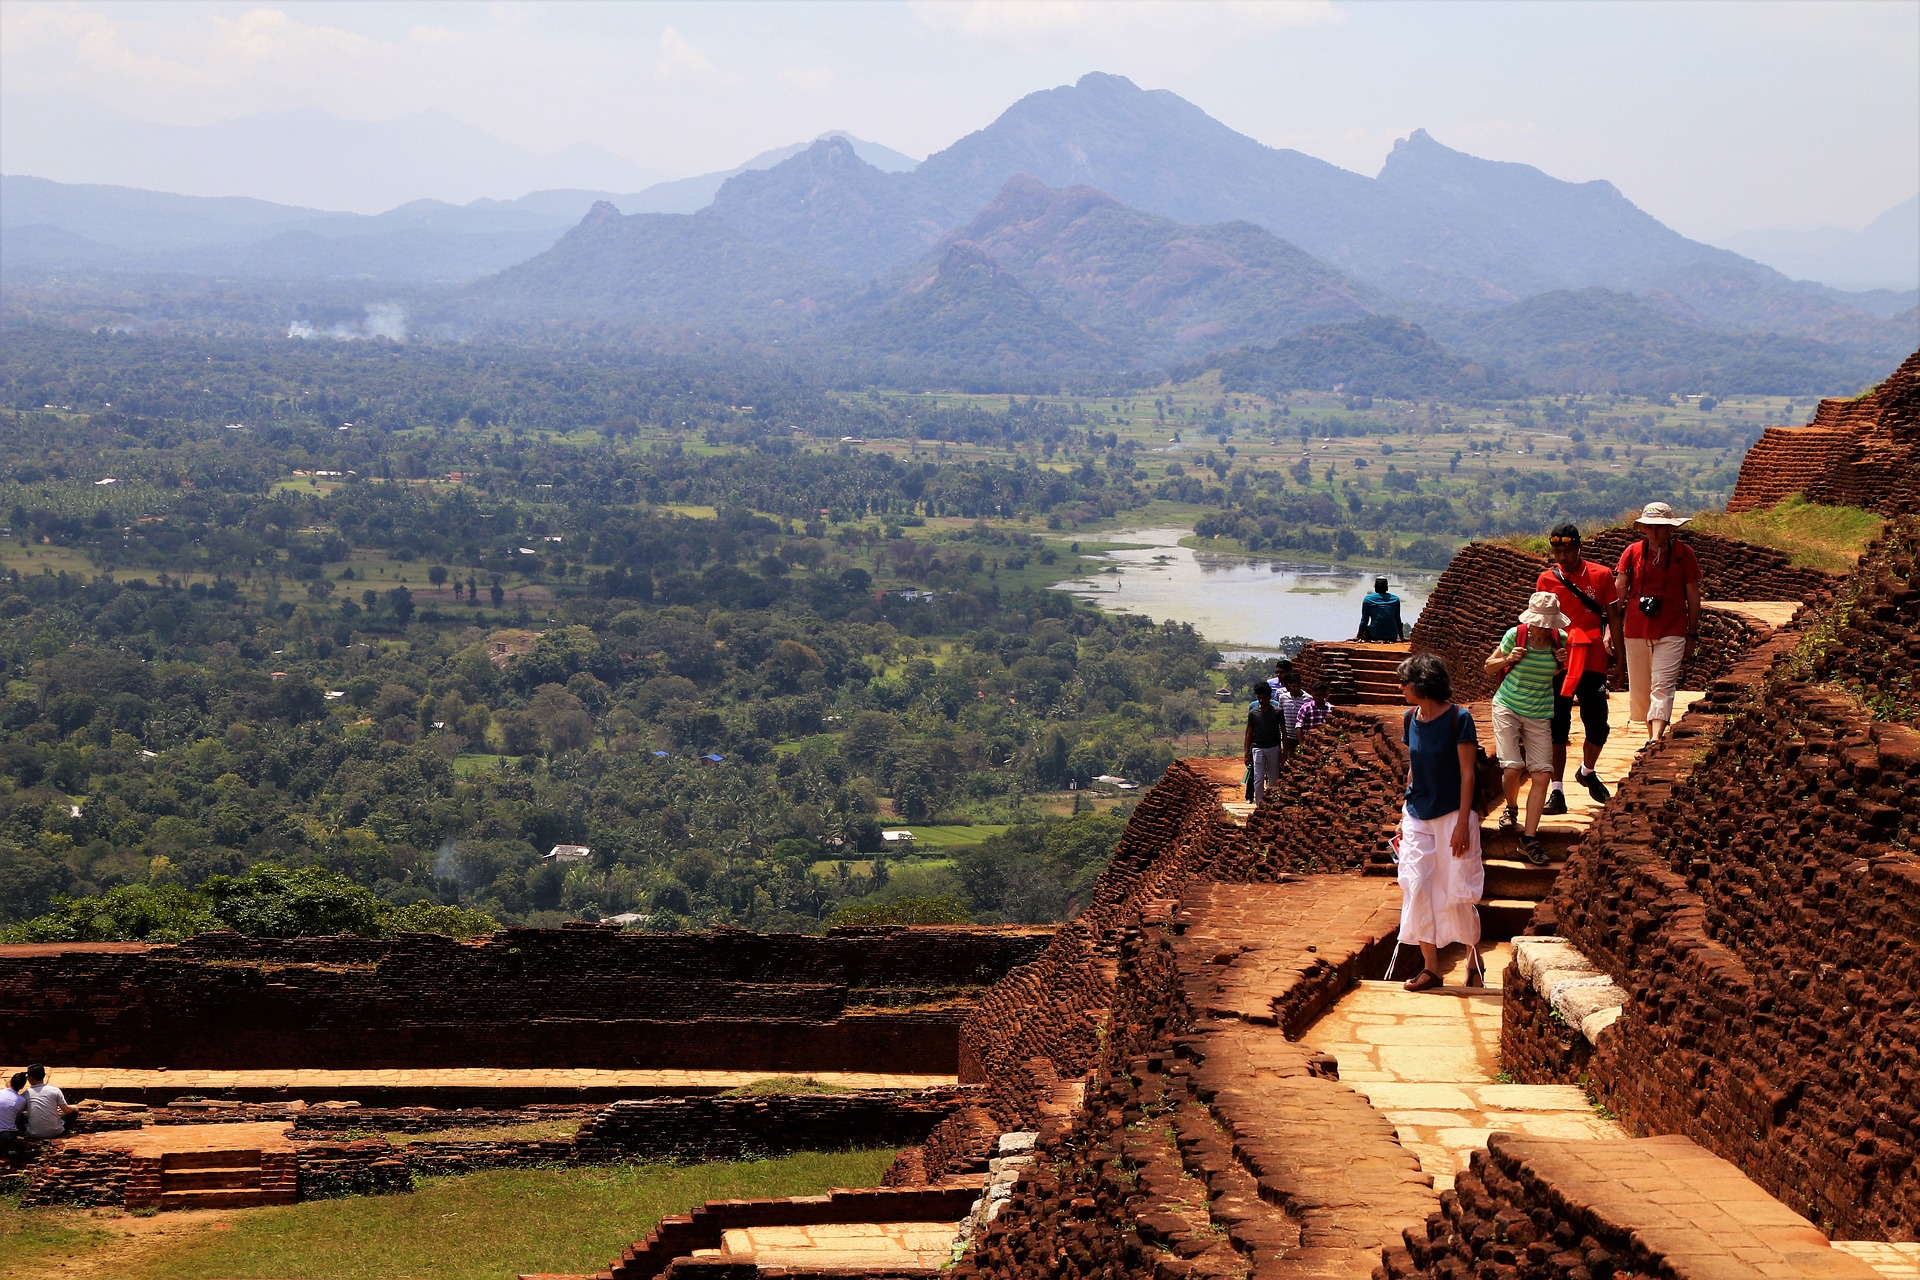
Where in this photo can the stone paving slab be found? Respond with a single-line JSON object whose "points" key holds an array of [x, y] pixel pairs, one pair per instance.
{"points": [[1892, 1261], [821, 1247], [1428, 1062]]}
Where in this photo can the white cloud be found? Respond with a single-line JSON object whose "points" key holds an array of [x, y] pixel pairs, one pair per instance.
{"points": [[680, 61]]}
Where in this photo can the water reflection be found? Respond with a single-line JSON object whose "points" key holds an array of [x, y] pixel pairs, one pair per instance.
{"points": [[1242, 603]]}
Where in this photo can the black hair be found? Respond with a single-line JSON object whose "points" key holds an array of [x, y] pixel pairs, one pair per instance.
{"points": [[1380, 585], [1428, 674], [19, 1078], [1263, 691], [1291, 676], [36, 1073], [1565, 532]]}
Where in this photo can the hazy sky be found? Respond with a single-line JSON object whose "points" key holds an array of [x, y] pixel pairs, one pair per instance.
{"points": [[1715, 116]]}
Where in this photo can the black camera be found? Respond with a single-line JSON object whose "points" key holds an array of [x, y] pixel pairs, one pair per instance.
{"points": [[1650, 605]]}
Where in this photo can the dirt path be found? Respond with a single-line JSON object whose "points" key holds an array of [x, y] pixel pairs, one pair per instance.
{"points": [[130, 1240]]}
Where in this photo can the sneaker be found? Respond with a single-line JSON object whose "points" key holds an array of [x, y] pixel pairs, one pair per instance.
{"points": [[1556, 803], [1535, 851], [1510, 819], [1591, 781]]}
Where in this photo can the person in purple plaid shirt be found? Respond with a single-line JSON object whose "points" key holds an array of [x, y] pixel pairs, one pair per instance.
{"points": [[1313, 709]]}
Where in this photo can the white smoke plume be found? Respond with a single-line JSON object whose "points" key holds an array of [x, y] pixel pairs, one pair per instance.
{"points": [[383, 320]]}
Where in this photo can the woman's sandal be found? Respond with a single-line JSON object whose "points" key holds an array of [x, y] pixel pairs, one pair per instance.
{"points": [[1425, 980]]}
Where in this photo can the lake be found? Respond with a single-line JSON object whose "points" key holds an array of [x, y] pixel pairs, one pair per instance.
{"points": [[1243, 603]]}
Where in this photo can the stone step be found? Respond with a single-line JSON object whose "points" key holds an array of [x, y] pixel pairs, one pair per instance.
{"points": [[1504, 918], [236, 1179], [237, 1159], [1509, 879], [223, 1199]]}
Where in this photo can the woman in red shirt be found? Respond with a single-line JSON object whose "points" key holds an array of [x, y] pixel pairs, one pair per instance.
{"points": [[1658, 581]]}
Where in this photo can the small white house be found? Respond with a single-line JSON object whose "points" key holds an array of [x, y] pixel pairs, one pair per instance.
{"points": [[1118, 783], [568, 853], [897, 837]]}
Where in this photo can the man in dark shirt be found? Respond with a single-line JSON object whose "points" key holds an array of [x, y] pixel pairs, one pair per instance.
{"points": [[1266, 732], [1379, 614]]}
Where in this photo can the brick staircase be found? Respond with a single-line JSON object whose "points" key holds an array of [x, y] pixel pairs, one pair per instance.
{"points": [[1372, 667], [238, 1179]]}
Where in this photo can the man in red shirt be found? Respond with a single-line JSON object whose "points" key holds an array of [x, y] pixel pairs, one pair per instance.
{"points": [[1658, 579], [1587, 597]]}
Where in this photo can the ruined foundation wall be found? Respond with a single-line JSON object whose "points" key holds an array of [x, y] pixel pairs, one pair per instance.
{"points": [[887, 999], [1858, 452]]}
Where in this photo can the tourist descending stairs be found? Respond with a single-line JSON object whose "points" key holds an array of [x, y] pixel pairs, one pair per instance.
{"points": [[1357, 672]]}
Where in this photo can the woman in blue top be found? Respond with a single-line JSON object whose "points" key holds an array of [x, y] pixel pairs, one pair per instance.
{"points": [[1441, 876]]}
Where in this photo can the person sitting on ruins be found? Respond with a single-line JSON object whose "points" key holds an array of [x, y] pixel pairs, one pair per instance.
{"points": [[1438, 847], [1527, 662], [49, 1115], [1264, 741], [1658, 580], [1592, 605], [13, 1108], [1379, 614], [1313, 709]]}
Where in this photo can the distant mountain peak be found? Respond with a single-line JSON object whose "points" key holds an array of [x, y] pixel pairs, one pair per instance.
{"points": [[1106, 80], [602, 211]]}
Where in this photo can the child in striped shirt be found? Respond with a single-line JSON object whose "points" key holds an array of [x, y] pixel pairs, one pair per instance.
{"points": [[1528, 661]]}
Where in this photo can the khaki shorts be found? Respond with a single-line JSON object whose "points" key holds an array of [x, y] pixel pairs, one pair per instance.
{"points": [[1522, 743]]}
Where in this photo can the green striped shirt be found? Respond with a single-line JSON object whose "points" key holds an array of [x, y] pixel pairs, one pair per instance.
{"points": [[1529, 688]]}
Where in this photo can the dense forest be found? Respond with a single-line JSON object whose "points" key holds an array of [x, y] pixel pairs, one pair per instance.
{"points": [[408, 616]]}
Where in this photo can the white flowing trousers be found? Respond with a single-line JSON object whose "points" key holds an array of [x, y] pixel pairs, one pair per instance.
{"points": [[1438, 890]]}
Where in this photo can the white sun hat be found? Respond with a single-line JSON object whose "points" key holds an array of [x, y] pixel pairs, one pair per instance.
{"points": [[1660, 513], [1543, 610]]}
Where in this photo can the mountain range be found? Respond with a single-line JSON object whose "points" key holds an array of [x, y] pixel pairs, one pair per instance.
{"points": [[1096, 226]]}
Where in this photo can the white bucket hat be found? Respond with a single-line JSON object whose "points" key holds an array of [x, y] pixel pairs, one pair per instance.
{"points": [[1543, 610], [1660, 513]]}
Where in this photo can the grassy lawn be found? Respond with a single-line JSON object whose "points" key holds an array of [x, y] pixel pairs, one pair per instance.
{"points": [[1817, 537], [32, 1241], [483, 1226]]}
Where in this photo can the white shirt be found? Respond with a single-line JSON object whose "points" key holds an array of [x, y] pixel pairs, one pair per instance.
{"points": [[43, 1111], [11, 1105], [1289, 704]]}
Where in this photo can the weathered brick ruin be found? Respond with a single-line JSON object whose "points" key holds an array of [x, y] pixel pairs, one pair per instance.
{"points": [[1857, 453], [887, 1000]]}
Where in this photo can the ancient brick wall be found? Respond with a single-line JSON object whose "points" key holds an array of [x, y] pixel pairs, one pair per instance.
{"points": [[1041, 1023], [1332, 811], [1483, 590], [77, 1176], [1756, 892], [887, 999], [1536, 1047], [367, 1167], [1859, 452]]}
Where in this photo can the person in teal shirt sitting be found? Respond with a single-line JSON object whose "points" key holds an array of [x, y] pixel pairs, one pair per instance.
{"points": [[1380, 614]]}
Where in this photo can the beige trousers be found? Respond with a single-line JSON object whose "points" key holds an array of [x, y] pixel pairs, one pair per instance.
{"points": [[1653, 673]]}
